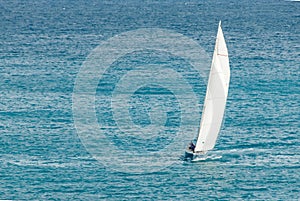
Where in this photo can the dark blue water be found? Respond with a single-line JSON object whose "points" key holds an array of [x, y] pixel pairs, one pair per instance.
{"points": [[43, 47]]}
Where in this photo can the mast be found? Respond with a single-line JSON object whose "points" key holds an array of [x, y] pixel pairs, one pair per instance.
{"points": [[216, 96]]}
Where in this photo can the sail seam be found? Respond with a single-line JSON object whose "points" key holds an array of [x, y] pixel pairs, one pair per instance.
{"points": [[224, 55]]}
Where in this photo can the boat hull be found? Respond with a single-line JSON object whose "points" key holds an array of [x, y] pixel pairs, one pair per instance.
{"points": [[189, 155]]}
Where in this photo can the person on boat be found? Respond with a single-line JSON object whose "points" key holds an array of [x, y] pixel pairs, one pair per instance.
{"points": [[192, 147]]}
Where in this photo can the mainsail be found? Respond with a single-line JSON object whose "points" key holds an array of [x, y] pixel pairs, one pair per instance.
{"points": [[216, 96]]}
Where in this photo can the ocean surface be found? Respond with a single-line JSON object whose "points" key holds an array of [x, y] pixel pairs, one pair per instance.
{"points": [[147, 101]]}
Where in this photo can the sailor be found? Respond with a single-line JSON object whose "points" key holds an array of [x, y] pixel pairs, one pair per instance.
{"points": [[192, 146]]}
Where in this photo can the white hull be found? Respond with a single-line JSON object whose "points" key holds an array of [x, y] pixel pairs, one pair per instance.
{"points": [[198, 156]]}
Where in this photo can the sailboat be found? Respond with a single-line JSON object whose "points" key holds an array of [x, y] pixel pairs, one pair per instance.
{"points": [[215, 101]]}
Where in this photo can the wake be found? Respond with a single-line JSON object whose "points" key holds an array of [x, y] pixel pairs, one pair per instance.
{"points": [[208, 157]]}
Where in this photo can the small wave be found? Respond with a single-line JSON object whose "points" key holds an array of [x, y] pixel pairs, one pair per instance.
{"points": [[28, 163], [32, 161]]}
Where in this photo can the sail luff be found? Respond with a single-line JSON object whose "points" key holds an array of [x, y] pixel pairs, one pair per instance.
{"points": [[216, 96]]}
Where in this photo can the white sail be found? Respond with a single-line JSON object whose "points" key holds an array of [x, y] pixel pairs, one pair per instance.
{"points": [[216, 96]]}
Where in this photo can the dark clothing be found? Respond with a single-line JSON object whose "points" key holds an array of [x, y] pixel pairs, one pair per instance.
{"points": [[191, 147]]}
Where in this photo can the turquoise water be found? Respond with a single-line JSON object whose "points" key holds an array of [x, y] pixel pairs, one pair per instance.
{"points": [[43, 47]]}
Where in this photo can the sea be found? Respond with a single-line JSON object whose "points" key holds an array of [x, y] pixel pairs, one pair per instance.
{"points": [[99, 99]]}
